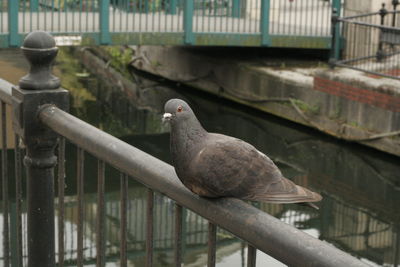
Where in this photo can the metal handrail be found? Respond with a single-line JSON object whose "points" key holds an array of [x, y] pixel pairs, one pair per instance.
{"points": [[368, 14], [279, 240], [369, 24]]}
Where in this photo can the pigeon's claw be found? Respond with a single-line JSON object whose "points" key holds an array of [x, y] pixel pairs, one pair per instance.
{"points": [[166, 117]]}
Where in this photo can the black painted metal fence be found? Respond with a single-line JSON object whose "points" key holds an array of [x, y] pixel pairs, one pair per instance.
{"points": [[371, 42], [41, 121]]}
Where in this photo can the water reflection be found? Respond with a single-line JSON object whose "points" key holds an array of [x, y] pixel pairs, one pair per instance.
{"points": [[359, 213]]}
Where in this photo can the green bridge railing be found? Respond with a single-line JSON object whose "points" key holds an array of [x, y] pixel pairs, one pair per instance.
{"points": [[273, 23]]}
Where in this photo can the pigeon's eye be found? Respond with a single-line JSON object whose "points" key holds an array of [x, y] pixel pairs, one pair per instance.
{"points": [[179, 109]]}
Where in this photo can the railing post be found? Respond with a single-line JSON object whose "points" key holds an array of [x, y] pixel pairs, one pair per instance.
{"points": [[105, 22], [37, 89], [34, 5], [336, 37], [335, 49], [264, 24], [380, 54], [172, 5], [13, 37], [395, 3], [236, 8], [188, 21]]}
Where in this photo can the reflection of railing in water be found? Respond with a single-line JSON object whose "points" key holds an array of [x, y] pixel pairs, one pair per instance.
{"points": [[356, 229]]}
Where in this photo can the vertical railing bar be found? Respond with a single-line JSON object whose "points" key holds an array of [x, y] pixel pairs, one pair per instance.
{"points": [[209, 16], [45, 17], [23, 15], [104, 22], [264, 25], [149, 228], [4, 174], [188, 21], [221, 19], [251, 256], [52, 15], [123, 220], [87, 15], [153, 6], [61, 206], [161, 223], [239, 17], [249, 5], [37, 17], [180, 20], [31, 19], [59, 14], [146, 10], [308, 20], [13, 21], [278, 27], [178, 235], [100, 233], [258, 7], [159, 17], [247, 28], [120, 14], [93, 233], [73, 8], [215, 16], [126, 15], [80, 15], [113, 18], [94, 17], [66, 15], [80, 189], [242, 257], [166, 17], [310, 29], [140, 15], [320, 19], [212, 244], [18, 198], [1, 17], [245, 18]]}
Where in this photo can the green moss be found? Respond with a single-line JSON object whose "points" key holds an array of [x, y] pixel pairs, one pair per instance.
{"points": [[305, 107], [120, 57], [354, 124]]}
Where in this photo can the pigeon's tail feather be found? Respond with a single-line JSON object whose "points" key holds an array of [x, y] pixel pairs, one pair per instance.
{"points": [[285, 191]]}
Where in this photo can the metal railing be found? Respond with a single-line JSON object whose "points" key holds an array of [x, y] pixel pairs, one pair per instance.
{"points": [[299, 23], [41, 121], [371, 42]]}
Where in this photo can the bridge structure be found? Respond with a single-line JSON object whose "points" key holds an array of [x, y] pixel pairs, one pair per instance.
{"points": [[253, 23]]}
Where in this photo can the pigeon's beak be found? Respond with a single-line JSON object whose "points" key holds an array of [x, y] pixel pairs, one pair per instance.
{"points": [[166, 117]]}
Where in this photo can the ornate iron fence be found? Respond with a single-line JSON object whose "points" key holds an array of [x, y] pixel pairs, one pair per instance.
{"points": [[371, 42]]}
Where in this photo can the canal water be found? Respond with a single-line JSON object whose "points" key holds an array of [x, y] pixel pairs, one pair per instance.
{"points": [[361, 187]]}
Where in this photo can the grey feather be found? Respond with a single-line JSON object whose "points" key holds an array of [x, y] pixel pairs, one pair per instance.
{"points": [[216, 165]]}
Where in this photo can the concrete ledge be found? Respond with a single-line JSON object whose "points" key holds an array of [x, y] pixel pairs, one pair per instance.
{"points": [[343, 103]]}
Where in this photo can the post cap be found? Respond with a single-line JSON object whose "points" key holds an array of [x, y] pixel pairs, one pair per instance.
{"points": [[40, 50], [39, 40]]}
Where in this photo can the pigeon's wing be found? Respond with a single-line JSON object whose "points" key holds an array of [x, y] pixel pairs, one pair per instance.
{"points": [[284, 191], [227, 166]]}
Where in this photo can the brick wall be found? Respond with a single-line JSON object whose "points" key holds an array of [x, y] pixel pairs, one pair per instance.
{"points": [[378, 99]]}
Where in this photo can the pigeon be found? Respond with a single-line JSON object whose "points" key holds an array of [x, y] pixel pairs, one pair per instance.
{"points": [[214, 165]]}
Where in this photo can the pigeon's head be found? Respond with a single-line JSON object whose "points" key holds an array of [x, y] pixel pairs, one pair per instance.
{"points": [[177, 110]]}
